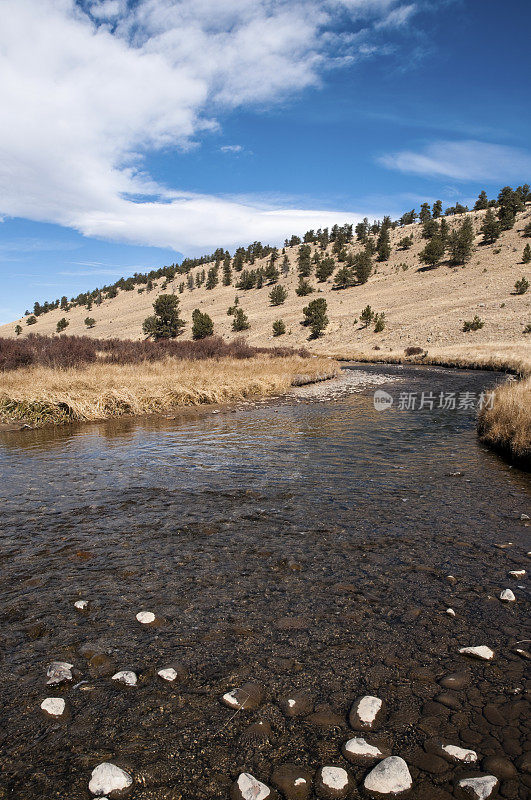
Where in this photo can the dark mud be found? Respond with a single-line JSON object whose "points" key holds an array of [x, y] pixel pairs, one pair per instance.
{"points": [[302, 545]]}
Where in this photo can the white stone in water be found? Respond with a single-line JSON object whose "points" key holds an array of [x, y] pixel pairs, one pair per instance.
{"points": [[251, 788], [508, 596], [58, 671], [517, 573], [368, 708], [481, 787], [299, 781], [107, 778], [145, 617], [126, 676], [334, 777], [359, 747], [390, 776], [450, 612], [81, 605], [55, 706], [482, 652], [231, 699], [460, 753], [168, 674], [291, 703]]}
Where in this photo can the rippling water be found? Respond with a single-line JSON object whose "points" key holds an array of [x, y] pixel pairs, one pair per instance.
{"points": [[305, 542]]}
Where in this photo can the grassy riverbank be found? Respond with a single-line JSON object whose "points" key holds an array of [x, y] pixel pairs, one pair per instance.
{"points": [[40, 395], [507, 425]]}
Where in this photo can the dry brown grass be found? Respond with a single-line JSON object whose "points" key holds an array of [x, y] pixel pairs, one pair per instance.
{"points": [[507, 425], [40, 395]]}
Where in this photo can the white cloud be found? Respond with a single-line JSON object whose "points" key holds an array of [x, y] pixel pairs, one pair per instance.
{"points": [[231, 148], [88, 88], [464, 161]]}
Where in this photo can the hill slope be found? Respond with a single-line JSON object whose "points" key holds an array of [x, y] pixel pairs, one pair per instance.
{"points": [[424, 307]]}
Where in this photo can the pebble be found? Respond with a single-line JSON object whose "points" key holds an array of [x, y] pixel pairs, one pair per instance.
{"points": [[332, 783], [390, 776], [54, 706], [125, 676], [500, 767], [81, 605], [247, 787], [107, 778], [450, 612], [59, 672], [507, 596], [365, 712], [456, 680], [296, 704], [249, 696], [146, 617], [169, 674], [518, 573], [460, 753], [294, 782], [479, 788], [358, 750], [482, 652]]}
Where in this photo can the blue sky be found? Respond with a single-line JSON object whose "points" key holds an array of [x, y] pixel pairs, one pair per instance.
{"points": [[135, 131]]}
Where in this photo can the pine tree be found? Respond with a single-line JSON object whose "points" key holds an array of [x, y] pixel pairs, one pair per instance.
{"points": [[315, 317], [18, 330], [212, 278], [367, 315], [271, 273], [405, 243], [461, 242], [90, 322], [437, 209], [344, 277], [490, 228], [379, 322], [362, 229], [433, 252], [202, 325], [303, 288], [482, 202], [165, 323], [279, 328], [325, 269], [383, 245], [62, 325], [526, 258], [240, 321], [278, 295], [285, 266], [227, 272], [521, 286], [425, 213], [363, 265], [304, 263], [430, 228]]}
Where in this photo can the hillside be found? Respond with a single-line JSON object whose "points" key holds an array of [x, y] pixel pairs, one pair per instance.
{"points": [[424, 307]]}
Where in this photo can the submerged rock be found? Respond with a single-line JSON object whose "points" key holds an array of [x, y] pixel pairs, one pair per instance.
{"points": [[59, 672], [459, 754], [249, 696], [390, 777], [480, 788], [247, 787], [107, 778], [507, 596], [450, 612], [146, 617], [256, 735], [294, 782], [481, 652], [359, 751], [54, 706], [366, 713], [518, 573], [81, 605], [332, 783], [125, 676], [296, 704]]}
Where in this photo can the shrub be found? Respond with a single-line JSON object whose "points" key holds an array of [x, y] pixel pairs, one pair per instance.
{"points": [[303, 288], [379, 322], [279, 328], [240, 321], [278, 295], [526, 257], [433, 252], [18, 329], [527, 229], [31, 320], [413, 350], [165, 323], [405, 243], [315, 316], [90, 322], [367, 315], [473, 325], [62, 325], [202, 325], [521, 286]]}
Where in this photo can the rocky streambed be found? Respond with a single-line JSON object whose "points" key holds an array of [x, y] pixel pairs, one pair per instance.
{"points": [[290, 599]]}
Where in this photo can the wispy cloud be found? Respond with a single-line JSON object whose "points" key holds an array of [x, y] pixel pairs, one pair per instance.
{"points": [[231, 148], [463, 161]]}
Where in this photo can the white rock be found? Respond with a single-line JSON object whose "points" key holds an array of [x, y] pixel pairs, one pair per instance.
{"points": [[54, 706], [81, 605], [460, 753], [107, 778], [146, 617], [168, 674], [359, 747], [334, 777], [390, 776], [508, 596], [368, 708], [299, 781], [482, 652], [291, 703], [481, 788], [231, 699], [251, 788], [58, 672], [518, 573], [450, 612], [126, 676]]}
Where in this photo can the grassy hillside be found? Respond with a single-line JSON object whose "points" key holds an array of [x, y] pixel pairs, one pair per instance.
{"points": [[423, 307]]}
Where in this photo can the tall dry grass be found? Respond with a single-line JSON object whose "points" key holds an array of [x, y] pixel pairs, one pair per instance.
{"points": [[38, 395], [507, 425]]}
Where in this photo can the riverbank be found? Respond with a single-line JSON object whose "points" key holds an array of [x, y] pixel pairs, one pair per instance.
{"points": [[42, 395]]}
